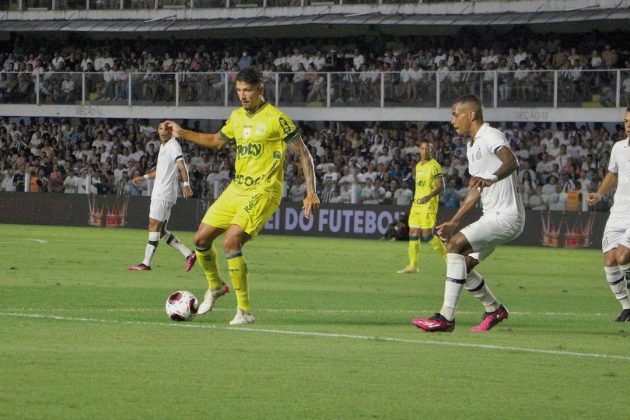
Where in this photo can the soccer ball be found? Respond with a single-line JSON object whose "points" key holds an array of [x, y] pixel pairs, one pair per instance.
{"points": [[181, 305]]}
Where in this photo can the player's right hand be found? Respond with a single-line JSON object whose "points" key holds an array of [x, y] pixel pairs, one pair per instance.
{"points": [[445, 230], [174, 127]]}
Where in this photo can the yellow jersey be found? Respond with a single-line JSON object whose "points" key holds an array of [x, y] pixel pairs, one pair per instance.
{"points": [[426, 176], [260, 140]]}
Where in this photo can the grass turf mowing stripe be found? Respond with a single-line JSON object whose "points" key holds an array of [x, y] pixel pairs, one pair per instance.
{"points": [[326, 335]]}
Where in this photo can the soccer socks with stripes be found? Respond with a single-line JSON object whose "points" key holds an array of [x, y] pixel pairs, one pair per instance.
{"points": [[438, 245], [618, 285], [476, 285], [625, 271], [174, 242], [207, 259], [455, 279], [152, 244], [414, 248], [238, 277]]}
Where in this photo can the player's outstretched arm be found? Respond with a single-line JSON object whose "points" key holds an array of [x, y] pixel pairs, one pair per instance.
{"points": [[446, 229], [209, 140], [609, 182], [311, 201]]}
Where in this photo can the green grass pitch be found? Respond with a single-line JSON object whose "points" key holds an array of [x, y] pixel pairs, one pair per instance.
{"points": [[81, 337]]}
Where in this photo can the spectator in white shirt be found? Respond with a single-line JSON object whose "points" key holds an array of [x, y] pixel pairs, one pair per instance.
{"points": [[403, 196]]}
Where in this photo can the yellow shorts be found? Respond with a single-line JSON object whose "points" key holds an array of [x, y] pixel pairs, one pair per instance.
{"points": [[422, 219], [248, 210]]}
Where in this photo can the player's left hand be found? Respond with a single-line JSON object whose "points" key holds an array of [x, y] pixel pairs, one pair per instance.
{"points": [[311, 204], [424, 200]]}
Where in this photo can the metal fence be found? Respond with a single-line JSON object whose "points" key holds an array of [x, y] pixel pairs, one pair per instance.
{"points": [[409, 89]]}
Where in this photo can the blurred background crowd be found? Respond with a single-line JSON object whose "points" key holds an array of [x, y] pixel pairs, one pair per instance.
{"points": [[357, 162]]}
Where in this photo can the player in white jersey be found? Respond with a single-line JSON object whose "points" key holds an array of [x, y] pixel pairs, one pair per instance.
{"points": [[616, 239], [492, 167], [170, 161]]}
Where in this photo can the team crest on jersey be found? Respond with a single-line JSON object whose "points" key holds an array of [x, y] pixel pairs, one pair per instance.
{"points": [[261, 129], [247, 131]]}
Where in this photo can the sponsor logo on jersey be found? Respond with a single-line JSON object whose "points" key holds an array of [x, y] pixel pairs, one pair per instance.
{"points": [[247, 181], [249, 150], [276, 160], [252, 202], [286, 127]]}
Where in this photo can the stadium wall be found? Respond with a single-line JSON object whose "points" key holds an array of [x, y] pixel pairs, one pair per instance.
{"points": [[552, 229]]}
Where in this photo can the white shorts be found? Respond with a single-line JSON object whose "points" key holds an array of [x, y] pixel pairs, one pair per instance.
{"points": [[488, 232], [614, 237], [160, 210]]}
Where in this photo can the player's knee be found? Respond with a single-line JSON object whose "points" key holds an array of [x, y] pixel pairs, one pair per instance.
{"points": [[610, 258], [622, 256], [471, 263], [231, 243], [201, 241], [455, 246]]}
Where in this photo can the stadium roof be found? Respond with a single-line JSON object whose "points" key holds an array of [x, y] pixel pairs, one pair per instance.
{"points": [[363, 19]]}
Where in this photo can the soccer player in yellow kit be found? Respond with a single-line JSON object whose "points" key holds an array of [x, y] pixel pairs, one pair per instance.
{"points": [[260, 133], [423, 214]]}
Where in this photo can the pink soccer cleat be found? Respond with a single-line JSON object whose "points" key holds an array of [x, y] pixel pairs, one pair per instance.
{"points": [[190, 261], [139, 267], [437, 323], [490, 319]]}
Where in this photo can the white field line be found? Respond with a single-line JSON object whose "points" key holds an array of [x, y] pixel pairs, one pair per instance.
{"points": [[326, 335], [39, 241], [419, 312]]}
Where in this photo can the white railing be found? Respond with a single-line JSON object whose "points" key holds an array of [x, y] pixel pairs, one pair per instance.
{"points": [[24, 5], [407, 89]]}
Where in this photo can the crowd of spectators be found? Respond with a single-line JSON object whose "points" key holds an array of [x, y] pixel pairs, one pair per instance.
{"points": [[360, 162], [363, 163], [414, 63]]}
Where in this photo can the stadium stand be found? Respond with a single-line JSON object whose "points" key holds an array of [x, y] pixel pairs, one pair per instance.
{"points": [[355, 162], [396, 72]]}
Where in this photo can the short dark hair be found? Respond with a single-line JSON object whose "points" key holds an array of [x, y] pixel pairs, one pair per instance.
{"points": [[475, 102], [249, 75]]}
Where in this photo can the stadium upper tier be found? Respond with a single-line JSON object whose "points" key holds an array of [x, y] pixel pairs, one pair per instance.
{"points": [[412, 16], [319, 95], [438, 5], [201, 4]]}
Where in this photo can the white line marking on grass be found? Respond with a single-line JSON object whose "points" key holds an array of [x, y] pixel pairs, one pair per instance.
{"points": [[327, 311], [326, 335], [39, 241]]}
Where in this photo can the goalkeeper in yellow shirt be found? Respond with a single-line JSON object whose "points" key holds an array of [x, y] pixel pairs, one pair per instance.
{"points": [[260, 133], [423, 214]]}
